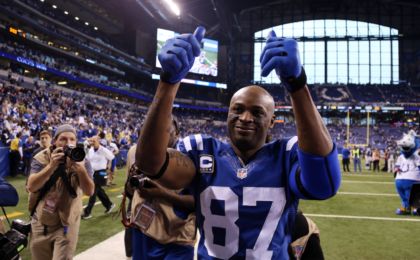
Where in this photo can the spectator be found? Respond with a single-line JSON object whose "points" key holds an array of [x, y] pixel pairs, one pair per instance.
{"points": [[346, 159], [28, 148], [44, 141], [16, 154], [368, 159], [376, 156], [355, 153], [99, 157]]}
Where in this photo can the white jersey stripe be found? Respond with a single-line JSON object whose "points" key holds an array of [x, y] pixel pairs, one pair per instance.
{"points": [[187, 143], [199, 142], [291, 142]]}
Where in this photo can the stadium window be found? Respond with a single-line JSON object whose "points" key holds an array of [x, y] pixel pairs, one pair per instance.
{"points": [[357, 52]]}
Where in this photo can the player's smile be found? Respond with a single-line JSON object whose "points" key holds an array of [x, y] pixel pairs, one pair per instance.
{"points": [[244, 129]]}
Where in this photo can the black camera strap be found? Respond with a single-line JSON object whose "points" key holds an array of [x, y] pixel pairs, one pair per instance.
{"points": [[5, 215], [67, 184], [60, 172]]}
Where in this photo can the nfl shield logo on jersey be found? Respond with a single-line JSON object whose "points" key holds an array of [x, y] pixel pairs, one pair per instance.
{"points": [[242, 173]]}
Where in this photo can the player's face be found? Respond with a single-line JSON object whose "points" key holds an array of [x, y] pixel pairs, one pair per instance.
{"points": [[250, 117]]}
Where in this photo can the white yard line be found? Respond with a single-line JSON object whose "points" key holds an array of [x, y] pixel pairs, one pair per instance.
{"points": [[363, 217], [368, 194], [370, 182], [364, 175]]}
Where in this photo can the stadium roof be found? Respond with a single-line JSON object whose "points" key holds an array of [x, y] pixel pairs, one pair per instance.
{"points": [[222, 18]]}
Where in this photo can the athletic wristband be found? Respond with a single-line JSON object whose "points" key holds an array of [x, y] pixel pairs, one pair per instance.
{"points": [[166, 77], [294, 84], [161, 171]]}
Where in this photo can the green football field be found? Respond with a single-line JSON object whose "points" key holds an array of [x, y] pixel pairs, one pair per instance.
{"points": [[358, 223]]}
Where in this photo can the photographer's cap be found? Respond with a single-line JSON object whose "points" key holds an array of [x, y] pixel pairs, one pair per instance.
{"points": [[64, 128]]}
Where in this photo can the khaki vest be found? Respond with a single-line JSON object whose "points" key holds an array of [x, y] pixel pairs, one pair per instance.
{"points": [[68, 209], [166, 227], [299, 245]]}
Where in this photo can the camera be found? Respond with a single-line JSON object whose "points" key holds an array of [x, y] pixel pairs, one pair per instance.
{"points": [[76, 153], [15, 240], [139, 181]]}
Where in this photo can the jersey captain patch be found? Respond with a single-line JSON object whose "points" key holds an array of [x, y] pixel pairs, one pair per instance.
{"points": [[206, 163]]}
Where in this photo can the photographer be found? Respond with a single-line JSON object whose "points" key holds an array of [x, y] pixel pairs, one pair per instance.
{"points": [[162, 221], [58, 178]]}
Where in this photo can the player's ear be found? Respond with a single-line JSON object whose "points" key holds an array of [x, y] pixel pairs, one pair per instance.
{"points": [[272, 120]]}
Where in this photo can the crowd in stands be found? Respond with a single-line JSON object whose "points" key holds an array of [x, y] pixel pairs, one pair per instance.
{"points": [[62, 64], [26, 111], [355, 94]]}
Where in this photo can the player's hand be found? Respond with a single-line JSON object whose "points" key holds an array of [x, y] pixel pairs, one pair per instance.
{"points": [[152, 190], [178, 54], [282, 54]]}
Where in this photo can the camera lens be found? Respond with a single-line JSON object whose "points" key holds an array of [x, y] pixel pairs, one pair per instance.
{"points": [[135, 182], [77, 154]]}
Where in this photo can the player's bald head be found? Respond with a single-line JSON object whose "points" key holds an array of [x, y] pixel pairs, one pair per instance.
{"points": [[255, 93]]}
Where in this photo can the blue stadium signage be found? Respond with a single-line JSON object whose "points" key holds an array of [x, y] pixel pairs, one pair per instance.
{"points": [[24, 60]]}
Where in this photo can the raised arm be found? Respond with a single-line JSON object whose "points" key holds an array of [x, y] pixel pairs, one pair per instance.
{"points": [[319, 172], [176, 57]]}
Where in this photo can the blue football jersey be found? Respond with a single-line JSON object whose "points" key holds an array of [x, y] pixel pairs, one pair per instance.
{"points": [[243, 211]]}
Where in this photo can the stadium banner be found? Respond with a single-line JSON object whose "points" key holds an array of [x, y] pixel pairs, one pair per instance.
{"points": [[24, 60]]}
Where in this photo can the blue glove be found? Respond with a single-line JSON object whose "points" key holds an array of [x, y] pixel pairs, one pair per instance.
{"points": [[178, 54], [282, 54]]}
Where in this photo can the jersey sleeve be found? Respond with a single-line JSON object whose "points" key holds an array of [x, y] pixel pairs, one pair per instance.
{"points": [[201, 149], [312, 176], [193, 145]]}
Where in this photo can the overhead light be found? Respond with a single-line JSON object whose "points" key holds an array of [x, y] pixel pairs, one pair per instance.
{"points": [[91, 61], [96, 28], [174, 7], [62, 83], [54, 6], [66, 13], [42, 0], [86, 23], [76, 18]]}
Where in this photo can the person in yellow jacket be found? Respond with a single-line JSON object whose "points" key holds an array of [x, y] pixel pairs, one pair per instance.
{"points": [[355, 154], [16, 154], [56, 203]]}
